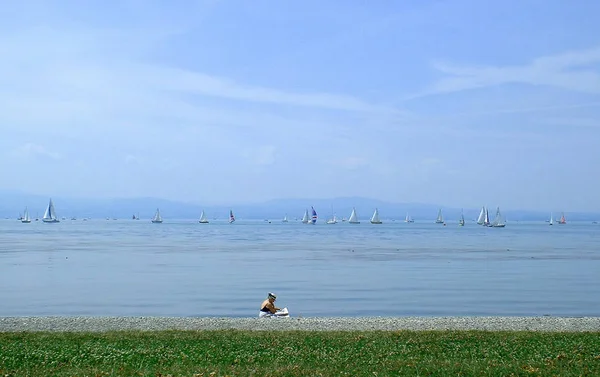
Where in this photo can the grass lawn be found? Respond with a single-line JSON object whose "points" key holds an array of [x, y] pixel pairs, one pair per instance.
{"points": [[300, 353]]}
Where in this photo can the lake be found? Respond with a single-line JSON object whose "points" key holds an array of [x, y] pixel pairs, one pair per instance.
{"points": [[182, 268]]}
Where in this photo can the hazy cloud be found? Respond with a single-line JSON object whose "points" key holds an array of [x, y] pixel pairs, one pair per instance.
{"points": [[32, 150], [575, 70]]}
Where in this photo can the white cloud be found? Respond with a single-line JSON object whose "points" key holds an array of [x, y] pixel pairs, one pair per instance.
{"points": [[261, 156], [132, 160], [575, 71], [32, 150]]}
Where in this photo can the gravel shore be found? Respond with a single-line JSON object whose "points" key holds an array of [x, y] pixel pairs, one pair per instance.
{"points": [[100, 324]]}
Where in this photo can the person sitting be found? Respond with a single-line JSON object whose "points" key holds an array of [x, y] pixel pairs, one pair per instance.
{"points": [[268, 308]]}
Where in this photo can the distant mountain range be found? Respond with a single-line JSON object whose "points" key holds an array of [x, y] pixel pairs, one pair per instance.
{"points": [[12, 203]]}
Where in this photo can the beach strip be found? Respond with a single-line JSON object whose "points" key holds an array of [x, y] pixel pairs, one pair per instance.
{"points": [[104, 324]]}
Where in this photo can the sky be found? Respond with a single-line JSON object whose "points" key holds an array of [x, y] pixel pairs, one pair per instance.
{"points": [[459, 103]]}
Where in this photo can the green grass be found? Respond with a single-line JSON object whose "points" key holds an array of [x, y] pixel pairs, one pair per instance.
{"points": [[300, 353]]}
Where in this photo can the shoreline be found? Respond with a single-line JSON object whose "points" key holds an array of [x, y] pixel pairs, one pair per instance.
{"points": [[104, 324]]}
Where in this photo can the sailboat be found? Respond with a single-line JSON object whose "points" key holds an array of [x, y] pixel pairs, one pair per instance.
{"points": [[562, 219], [26, 219], [481, 217], [50, 214], [305, 217], [333, 219], [353, 217], [157, 219], [285, 219], [461, 222], [231, 217], [203, 219], [440, 218], [486, 218], [551, 219], [375, 218], [498, 220], [408, 219], [313, 219]]}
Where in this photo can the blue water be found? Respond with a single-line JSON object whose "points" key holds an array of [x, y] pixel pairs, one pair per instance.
{"points": [[182, 268]]}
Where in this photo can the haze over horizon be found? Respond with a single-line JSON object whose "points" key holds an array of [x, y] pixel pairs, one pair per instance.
{"points": [[458, 103]]}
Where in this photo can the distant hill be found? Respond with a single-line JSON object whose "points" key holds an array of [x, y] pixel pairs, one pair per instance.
{"points": [[12, 203]]}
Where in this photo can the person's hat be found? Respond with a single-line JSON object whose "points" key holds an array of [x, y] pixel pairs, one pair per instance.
{"points": [[272, 295]]}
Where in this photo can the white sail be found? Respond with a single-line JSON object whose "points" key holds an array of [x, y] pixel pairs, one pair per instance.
{"points": [[498, 220], [486, 218], [26, 218], [333, 219], [461, 222], [551, 220], [203, 219], [353, 217], [375, 218], [50, 214], [408, 219], [481, 217], [305, 218], [440, 218], [157, 217], [285, 219]]}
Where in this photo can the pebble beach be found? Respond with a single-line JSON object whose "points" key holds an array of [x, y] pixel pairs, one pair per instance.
{"points": [[103, 324]]}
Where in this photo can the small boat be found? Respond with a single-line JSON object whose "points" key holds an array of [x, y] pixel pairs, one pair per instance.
{"points": [[203, 219], [344, 219], [305, 218], [50, 214], [440, 218], [313, 218], [157, 219], [481, 218], [231, 217], [333, 219], [486, 218], [461, 222], [375, 218], [408, 219], [551, 220], [353, 217], [562, 219], [285, 219], [498, 220], [26, 219]]}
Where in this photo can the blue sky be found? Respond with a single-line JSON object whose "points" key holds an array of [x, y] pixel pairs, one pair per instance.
{"points": [[461, 103]]}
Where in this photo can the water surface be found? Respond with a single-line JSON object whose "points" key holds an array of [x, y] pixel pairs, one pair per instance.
{"points": [[182, 268]]}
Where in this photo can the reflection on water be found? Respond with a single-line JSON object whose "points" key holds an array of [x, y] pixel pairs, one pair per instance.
{"points": [[395, 269]]}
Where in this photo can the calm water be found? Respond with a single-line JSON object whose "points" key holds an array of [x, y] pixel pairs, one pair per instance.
{"points": [[182, 268]]}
